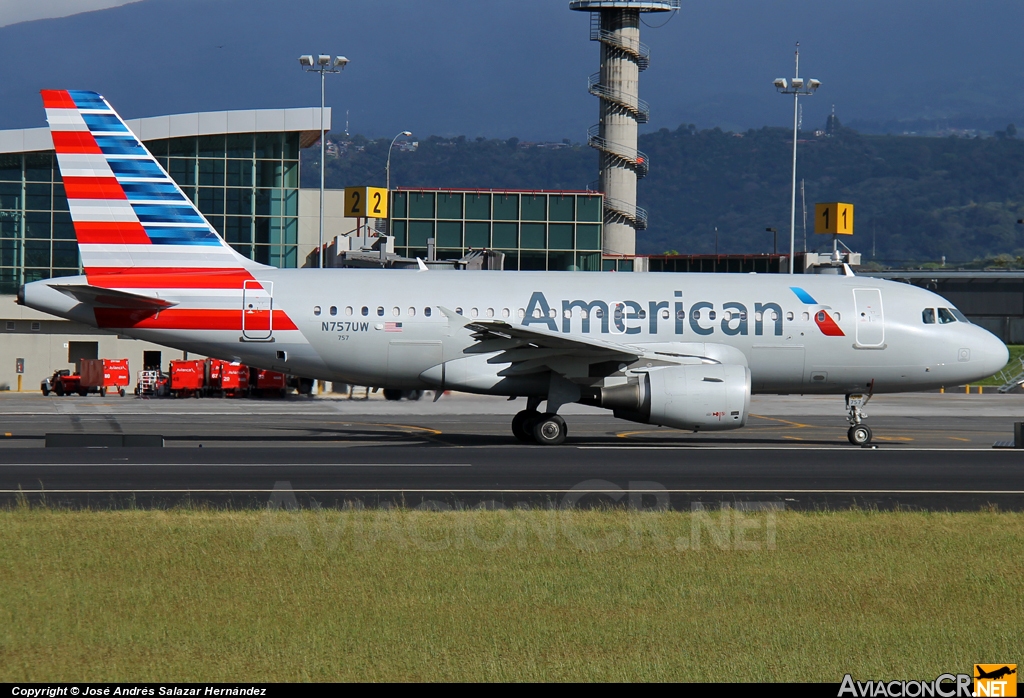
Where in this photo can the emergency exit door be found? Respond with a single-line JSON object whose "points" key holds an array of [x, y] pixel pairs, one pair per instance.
{"points": [[257, 310], [870, 325]]}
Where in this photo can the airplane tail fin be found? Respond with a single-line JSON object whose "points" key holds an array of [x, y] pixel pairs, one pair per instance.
{"points": [[132, 221]]}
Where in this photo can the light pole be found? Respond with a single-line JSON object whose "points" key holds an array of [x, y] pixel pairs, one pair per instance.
{"points": [[387, 168], [323, 65], [798, 89]]}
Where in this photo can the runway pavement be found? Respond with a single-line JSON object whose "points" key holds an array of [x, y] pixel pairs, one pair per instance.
{"points": [[934, 451]]}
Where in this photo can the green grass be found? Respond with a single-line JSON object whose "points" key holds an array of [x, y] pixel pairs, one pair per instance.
{"points": [[1012, 366], [503, 595]]}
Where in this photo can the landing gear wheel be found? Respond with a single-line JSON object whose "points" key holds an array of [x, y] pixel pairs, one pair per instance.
{"points": [[859, 435], [103, 392], [121, 392], [392, 394], [522, 425], [549, 430]]}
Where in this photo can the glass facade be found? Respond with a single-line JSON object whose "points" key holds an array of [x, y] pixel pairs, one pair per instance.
{"points": [[247, 186], [555, 231], [37, 239]]}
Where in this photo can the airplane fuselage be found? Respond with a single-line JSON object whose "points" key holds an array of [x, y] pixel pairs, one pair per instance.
{"points": [[386, 328]]}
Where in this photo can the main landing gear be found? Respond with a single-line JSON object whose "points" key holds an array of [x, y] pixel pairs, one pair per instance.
{"points": [[531, 426], [859, 434]]}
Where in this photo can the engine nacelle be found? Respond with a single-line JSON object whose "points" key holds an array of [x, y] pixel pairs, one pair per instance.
{"points": [[704, 397]]}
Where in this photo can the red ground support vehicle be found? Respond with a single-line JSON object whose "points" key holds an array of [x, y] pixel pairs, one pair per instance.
{"points": [[234, 379], [266, 383], [188, 378], [103, 375], [62, 382]]}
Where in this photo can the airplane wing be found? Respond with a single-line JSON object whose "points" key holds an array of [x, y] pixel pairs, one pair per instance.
{"points": [[531, 350], [110, 298]]}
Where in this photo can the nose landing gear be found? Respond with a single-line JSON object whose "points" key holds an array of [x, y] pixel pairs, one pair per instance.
{"points": [[859, 434]]}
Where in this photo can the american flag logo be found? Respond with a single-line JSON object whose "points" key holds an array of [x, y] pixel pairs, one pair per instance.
{"points": [[392, 327]]}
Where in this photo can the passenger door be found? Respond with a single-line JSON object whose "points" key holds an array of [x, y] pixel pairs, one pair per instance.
{"points": [[870, 325], [257, 310]]}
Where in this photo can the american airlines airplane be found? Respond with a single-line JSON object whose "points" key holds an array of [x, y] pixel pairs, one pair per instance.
{"points": [[678, 350]]}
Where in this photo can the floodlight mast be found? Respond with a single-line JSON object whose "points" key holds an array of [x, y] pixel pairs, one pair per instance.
{"points": [[798, 89], [322, 65], [387, 175]]}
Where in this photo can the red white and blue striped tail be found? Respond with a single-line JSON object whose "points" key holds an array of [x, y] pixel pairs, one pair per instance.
{"points": [[135, 226]]}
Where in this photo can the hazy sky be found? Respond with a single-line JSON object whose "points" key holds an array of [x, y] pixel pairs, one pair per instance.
{"points": [[14, 11]]}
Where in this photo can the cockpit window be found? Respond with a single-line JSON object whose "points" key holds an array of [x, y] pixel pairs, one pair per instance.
{"points": [[928, 316], [958, 315], [945, 316]]}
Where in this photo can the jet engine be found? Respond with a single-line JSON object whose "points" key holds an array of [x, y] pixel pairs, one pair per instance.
{"points": [[702, 397]]}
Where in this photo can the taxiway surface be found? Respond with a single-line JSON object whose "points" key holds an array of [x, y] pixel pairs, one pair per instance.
{"points": [[934, 451]]}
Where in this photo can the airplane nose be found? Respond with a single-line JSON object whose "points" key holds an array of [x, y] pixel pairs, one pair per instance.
{"points": [[990, 353]]}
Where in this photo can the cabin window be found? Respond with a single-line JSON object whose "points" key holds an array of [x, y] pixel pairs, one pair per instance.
{"points": [[474, 312], [711, 315], [696, 315], [334, 310], [665, 314], [316, 309], [426, 311], [521, 313], [396, 311], [505, 312], [789, 316], [680, 315], [412, 312], [774, 316], [837, 317], [459, 311], [807, 316], [946, 317], [758, 317], [642, 314], [348, 310], [365, 311], [552, 313], [490, 312], [380, 311], [567, 314]]}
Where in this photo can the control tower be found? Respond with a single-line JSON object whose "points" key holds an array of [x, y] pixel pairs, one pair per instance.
{"points": [[616, 24]]}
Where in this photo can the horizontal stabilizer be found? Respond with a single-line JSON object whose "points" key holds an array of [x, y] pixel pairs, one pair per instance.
{"points": [[109, 298]]}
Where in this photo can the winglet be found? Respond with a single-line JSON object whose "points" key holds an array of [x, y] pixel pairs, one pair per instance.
{"points": [[454, 317], [421, 265]]}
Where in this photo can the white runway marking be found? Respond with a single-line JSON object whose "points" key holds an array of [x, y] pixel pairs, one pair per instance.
{"points": [[851, 449], [239, 465], [488, 491]]}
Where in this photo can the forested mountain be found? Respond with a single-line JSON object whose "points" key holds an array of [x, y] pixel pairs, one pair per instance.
{"points": [[916, 198]]}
